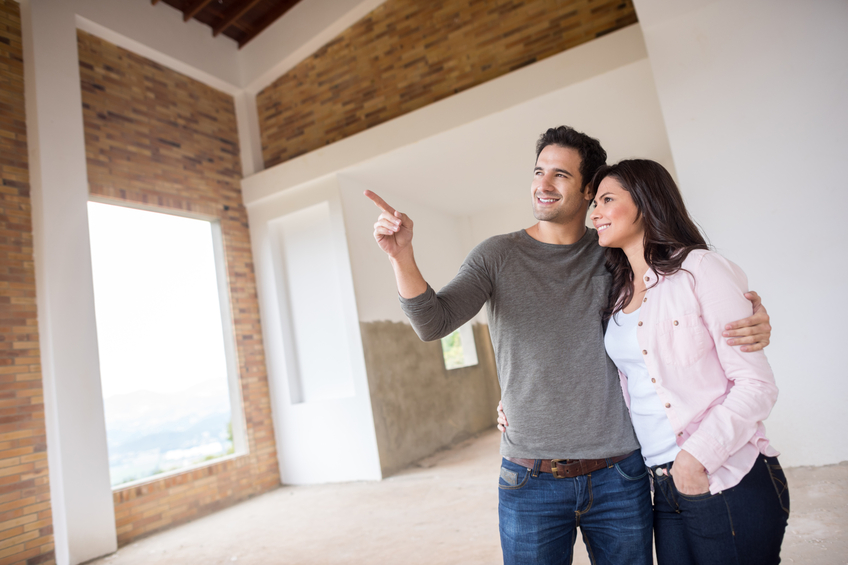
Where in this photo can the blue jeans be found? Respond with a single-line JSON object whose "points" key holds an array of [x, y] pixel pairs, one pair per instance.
{"points": [[539, 514], [743, 525]]}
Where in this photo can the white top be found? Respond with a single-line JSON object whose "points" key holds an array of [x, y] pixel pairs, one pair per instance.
{"points": [[650, 422]]}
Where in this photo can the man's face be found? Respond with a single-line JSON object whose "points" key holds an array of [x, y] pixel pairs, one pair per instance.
{"points": [[556, 193]]}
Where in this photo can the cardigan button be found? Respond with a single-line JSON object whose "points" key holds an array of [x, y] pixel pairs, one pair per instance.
{"points": [[680, 434], [639, 324], [644, 352], [653, 380], [647, 279], [645, 300], [667, 405], [675, 322]]}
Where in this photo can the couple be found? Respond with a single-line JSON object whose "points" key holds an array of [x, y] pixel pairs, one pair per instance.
{"points": [[571, 457]]}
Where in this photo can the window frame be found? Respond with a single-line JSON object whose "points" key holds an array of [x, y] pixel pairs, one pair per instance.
{"points": [[237, 416]]}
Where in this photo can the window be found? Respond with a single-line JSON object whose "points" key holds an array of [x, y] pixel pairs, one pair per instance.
{"points": [[167, 363], [459, 349]]}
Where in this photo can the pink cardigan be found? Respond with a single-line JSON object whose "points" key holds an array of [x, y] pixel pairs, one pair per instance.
{"points": [[715, 395]]}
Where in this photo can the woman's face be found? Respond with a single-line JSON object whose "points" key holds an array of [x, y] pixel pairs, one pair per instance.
{"points": [[615, 216]]}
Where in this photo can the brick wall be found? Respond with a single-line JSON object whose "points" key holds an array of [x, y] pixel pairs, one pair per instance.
{"points": [[26, 526], [156, 137], [408, 53]]}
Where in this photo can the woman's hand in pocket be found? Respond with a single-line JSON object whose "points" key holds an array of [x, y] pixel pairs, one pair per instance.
{"points": [[689, 475], [502, 423]]}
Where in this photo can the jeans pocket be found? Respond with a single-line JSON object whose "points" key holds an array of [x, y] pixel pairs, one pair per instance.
{"points": [[632, 468], [694, 497], [778, 479], [512, 476], [688, 497]]}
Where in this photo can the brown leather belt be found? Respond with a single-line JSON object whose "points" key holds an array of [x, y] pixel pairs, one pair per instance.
{"points": [[562, 468]]}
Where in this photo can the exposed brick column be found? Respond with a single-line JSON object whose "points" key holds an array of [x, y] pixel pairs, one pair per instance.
{"points": [[26, 527]]}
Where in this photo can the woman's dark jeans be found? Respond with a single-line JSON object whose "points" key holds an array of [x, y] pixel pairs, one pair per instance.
{"points": [[743, 525]]}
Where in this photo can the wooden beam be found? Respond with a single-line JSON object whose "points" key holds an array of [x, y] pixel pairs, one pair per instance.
{"points": [[269, 18], [192, 9], [154, 2], [232, 17]]}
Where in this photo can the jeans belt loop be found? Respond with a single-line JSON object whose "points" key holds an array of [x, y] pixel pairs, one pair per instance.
{"points": [[536, 465]]}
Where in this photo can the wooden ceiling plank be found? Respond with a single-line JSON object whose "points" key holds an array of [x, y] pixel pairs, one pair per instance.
{"points": [[154, 2], [235, 14], [269, 18], [192, 9]]}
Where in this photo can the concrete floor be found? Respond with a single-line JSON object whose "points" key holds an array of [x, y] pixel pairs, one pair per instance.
{"points": [[441, 511]]}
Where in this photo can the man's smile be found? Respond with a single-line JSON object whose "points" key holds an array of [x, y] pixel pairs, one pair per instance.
{"points": [[546, 200]]}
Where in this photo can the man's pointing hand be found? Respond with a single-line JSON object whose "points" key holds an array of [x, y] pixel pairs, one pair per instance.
{"points": [[393, 230]]}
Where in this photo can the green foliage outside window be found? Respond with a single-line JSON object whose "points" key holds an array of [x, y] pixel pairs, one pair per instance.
{"points": [[452, 351]]}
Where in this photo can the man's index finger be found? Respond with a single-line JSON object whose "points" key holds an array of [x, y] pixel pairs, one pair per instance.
{"points": [[379, 202]]}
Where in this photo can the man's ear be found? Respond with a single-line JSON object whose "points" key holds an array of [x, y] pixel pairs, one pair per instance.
{"points": [[587, 194]]}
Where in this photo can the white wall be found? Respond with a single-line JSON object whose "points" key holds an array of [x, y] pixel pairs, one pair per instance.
{"points": [[307, 430], [754, 94], [440, 247]]}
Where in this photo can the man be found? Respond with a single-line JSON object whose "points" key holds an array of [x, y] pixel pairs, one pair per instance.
{"points": [[570, 455]]}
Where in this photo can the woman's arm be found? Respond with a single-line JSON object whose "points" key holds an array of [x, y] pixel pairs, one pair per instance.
{"points": [[502, 422], [719, 288]]}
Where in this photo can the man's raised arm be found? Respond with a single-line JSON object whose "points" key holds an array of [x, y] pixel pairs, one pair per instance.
{"points": [[393, 232]]}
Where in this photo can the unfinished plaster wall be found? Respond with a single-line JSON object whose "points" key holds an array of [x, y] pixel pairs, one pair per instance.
{"points": [[419, 406]]}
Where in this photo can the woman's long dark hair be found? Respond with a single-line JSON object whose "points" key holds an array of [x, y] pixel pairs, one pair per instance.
{"points": [[670, 233]]}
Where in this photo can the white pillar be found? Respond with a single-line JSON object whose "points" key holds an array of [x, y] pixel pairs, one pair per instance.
{"points": [[80, 491], [250, 142]]}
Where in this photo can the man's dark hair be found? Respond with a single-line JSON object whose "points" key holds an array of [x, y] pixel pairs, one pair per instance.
{"points": [[592, 155]]}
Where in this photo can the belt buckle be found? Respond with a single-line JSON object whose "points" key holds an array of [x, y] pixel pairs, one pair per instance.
{"points": [[554, 470]]}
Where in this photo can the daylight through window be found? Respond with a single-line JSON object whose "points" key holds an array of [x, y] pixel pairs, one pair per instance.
{"points": [[161, 330], [459, 349]]}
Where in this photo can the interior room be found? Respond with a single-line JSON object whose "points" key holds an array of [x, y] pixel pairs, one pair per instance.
{"points": [[261, 124]]}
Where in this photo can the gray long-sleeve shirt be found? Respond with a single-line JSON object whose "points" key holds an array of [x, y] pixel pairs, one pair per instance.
{"points": [[561, 391]]}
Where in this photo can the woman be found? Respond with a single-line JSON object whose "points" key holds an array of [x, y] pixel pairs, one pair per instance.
{"points": [[696, 403]]}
